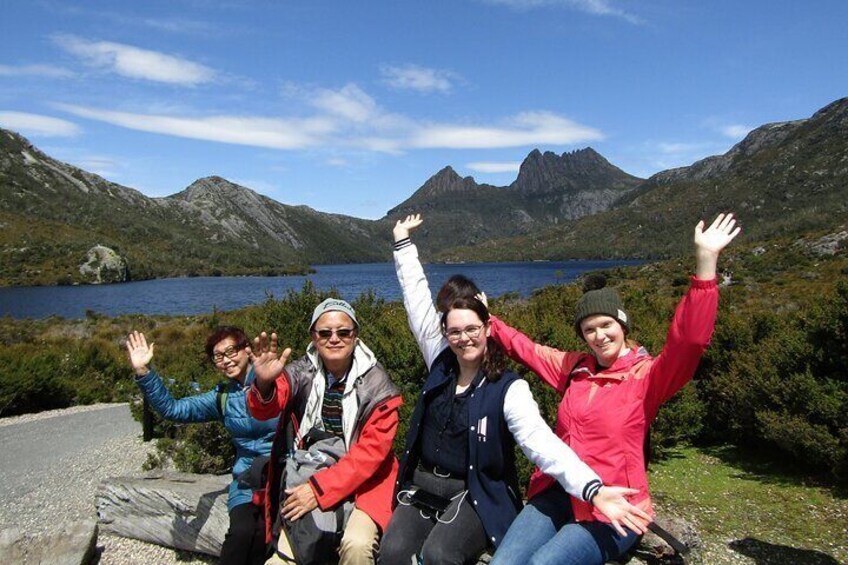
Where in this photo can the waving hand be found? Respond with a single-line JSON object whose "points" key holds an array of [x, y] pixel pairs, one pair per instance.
{"points": [[267, 366], [403, 227], [710, 242], [140, 353]]}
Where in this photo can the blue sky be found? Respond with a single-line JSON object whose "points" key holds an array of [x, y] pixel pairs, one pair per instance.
{"points": [[348, 107]]}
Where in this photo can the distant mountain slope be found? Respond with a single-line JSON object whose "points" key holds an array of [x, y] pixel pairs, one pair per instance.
{"points": [[550, 188], [51, 214], [782, 179]]}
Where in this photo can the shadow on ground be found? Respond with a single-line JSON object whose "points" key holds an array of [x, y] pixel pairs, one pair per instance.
{"points": [[767, 469], [764, 553]]}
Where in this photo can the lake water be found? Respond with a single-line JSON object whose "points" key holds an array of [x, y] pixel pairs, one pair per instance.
{"points": [[202, 294]]}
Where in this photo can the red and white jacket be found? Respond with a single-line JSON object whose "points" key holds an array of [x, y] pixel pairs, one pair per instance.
{"points": [[368, 471], [605, 413]]}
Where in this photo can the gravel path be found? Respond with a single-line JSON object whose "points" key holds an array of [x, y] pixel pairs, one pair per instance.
{"points": [[52, 463]]}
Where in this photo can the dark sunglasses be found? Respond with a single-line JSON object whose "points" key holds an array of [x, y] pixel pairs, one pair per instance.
{"points": [[342, 333]]}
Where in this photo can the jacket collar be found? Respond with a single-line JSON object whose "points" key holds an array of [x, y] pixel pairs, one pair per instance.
{"points": [[363, 360], [619, 368]]}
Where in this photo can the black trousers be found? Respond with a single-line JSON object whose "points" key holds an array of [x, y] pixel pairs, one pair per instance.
{"points": [[457, 537], [244, 543]]}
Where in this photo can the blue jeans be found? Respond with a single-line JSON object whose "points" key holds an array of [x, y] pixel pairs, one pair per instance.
{"points": [[545, 533]]}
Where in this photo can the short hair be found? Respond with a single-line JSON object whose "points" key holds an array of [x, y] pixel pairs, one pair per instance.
{"points": [[223, 332]]}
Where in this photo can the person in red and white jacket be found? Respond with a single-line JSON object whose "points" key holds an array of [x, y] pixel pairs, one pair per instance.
{"points": [[610, 396], [340, 388]]}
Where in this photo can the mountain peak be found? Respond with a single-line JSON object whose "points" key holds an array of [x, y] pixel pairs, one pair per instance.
{"points": [[446, 180], [581, 169], [211, 186]]}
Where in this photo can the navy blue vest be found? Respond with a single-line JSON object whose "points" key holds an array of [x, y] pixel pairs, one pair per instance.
{"points": [[492, 477]]}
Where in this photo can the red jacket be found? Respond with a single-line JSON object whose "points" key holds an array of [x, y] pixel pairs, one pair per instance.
{"points": [[367, 471], [605, 414]]}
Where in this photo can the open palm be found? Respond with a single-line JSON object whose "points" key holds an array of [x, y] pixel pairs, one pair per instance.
{"points": [[406, 225], [718, 235], [140, 353], [267, 366]]}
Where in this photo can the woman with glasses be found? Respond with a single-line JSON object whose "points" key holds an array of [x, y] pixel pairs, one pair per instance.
{"points": [[457, 491], [244, 543]]}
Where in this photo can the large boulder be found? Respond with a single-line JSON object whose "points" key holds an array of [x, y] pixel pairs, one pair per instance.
{"points": [[179, 510], [104, 265], [68, 544]]}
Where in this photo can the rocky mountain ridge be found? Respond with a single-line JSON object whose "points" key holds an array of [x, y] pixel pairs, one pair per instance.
{"points": [[54, 215], [786, 177], [783, 178]]}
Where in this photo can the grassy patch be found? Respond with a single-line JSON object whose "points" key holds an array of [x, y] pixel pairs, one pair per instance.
{"points": [[746, 505]]}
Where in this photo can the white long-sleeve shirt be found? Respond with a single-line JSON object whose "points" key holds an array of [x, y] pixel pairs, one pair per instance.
{"points": [[525, 423]]}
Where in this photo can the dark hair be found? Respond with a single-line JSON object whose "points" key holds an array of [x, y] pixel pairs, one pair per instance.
{"points": [[494, 361], [223, 332], [454, 287]]}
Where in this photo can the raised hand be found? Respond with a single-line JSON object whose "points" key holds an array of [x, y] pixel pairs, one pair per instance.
{"points": [[403, 227], [140, 353], [612, 504], [266, 365], [710, 242]]}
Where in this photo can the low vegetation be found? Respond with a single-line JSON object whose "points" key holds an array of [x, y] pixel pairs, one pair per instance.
{"points": [[773, 378], [745, 503]]}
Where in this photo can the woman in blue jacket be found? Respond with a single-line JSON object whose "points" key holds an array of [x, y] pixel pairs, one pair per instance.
{"points": [[244, 543]]}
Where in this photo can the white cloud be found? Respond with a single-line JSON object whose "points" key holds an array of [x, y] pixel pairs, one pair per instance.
{"points": [[413, 77], [135, 62], [528, 128], [675, 148], [177, 25], [48, 71], [493, 167], [348, 119], [349, 102], [99, 165], [735, 131], [238, 130], [594, 7], [36, 124]]}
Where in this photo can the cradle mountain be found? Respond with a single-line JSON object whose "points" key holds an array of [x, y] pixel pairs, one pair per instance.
{"points": [[61, 224]]}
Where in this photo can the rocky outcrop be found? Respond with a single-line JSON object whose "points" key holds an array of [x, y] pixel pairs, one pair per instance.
{"points": [[584, 170], [179, 510], [68, 544], [104, 265]]}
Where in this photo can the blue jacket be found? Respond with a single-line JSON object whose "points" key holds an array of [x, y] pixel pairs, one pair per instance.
{"points": [[492, 478], [250, 437]]}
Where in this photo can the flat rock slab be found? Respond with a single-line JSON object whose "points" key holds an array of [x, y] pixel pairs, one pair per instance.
{"points": [[180, 510], [70, 544]]}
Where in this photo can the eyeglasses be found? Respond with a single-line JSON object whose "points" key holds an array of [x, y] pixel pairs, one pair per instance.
{"points": [[341, 333], [472, 332], [230, 353]]}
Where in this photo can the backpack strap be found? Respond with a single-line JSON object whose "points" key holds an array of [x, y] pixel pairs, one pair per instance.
{"points": [[221, 400]]}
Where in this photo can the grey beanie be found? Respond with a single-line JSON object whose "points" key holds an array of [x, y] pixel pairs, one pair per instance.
{"points": [[332, 305], [598, 299]]}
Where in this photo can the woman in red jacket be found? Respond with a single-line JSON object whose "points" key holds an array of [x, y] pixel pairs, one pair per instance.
{"points": [[609, 399]]}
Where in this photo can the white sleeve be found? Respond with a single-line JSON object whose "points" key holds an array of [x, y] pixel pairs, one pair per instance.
{"points": [[543, 447], [423, 318]]}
